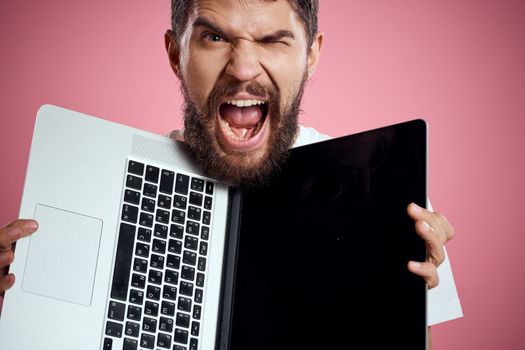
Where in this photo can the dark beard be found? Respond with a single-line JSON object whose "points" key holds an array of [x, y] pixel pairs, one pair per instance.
{"points": [[236, 167]]}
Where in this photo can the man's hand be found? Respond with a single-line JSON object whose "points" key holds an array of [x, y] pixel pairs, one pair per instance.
{"points": [[435, 229], [8, 236]]}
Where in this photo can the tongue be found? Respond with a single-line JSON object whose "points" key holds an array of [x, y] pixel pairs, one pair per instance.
{"points": [[241, 117]]}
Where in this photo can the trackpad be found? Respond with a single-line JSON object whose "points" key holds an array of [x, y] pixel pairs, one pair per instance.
{"points": [[62, 256]]}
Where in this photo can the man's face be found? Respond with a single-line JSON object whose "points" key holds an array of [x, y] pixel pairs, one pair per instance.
{"points": [[242, 66]]}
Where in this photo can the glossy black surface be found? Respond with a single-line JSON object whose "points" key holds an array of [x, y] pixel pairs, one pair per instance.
{"points": [[323, 248]]}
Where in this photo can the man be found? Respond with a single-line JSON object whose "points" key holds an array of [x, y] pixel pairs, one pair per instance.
{"points": [[243, 66]]}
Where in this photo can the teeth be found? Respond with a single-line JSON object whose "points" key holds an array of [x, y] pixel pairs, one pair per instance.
{"points": [[245, 103]]}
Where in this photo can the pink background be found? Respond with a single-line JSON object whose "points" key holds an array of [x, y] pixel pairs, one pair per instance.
{"points": [[459, 64]]}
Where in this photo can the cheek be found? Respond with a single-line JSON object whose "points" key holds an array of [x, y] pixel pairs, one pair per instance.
{"points": [[200, 75]]}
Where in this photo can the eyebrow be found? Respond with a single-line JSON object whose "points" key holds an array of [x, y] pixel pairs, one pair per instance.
{"points": [[280, 34]]}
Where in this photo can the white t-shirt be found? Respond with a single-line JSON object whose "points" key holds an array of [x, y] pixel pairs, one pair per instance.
{"points": [[442, 302]]}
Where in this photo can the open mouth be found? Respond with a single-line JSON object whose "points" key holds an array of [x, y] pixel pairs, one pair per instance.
{"points": [[243, 122]]}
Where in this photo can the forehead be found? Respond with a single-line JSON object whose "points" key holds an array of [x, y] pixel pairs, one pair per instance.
{"points": [[250, 17]]}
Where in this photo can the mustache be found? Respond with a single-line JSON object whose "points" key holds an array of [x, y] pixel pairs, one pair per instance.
{"points": [[253, 88]]}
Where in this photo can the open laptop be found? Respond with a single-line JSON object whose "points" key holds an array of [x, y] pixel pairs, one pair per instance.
{"points": [[137, 249]]}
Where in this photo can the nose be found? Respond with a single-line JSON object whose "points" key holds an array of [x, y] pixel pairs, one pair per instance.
{"points": [[244, 64]]}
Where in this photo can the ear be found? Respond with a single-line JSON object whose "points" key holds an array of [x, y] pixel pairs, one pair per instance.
{"points": [[313, 54], [173, 51]]}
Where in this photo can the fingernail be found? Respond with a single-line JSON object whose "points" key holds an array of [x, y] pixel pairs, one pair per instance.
{"points": [[417, 208], [31, 225], [426, 226], [415, 264]]}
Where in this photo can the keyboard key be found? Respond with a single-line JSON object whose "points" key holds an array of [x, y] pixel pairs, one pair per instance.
{"points": [[114, 329], [142, 250], [161, 230], [147, 341], [136, 296], [191, 242], [197, 184], [164, 340], [181, 336], [192, 228], [184, 304], [129, 213], [122, 269], [134, 182], [116, 311], [200, 279], [205, 233], [167, 308], [108, 344], [176, 231], [194, 213], [196, 198], [132, 197], [138, 281], [183, 320], [173, 261], [174, 246], [188, 273], [159, 246], [166, 324], [198, 295], [195, 326], [169, 292], [179, 202], [148, 205], [206, 217], [164, 201], [172, 277], [132, 329], [194, 344], [163, 216], [130, 344], [182, 184], [135, 167], [209, 187], [150, 190], [189, 257], [186, 288], [146, 219], [155, 277], [166, 181], [151, 309], [197, 312], [203, 248], [207, 203], [144, 234], [153, 292], [202, 264], [178, 216], [140, 265], [179, 347], [152, 174], [134, 312], [157, 261], [149, 324]]}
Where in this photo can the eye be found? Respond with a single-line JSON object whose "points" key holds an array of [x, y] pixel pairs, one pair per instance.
{"points": [[213, 37]]}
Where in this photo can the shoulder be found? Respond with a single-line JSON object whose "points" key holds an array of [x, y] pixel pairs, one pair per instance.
{"points": [[309, 135]]}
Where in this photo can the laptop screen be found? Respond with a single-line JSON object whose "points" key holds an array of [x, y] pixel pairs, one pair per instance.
{"points": [[322, 250]]}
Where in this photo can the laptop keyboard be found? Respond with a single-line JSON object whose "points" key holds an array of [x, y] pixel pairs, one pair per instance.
{"points": [[159, 274]]}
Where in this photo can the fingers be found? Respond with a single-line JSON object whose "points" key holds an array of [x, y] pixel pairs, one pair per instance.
{"points": [[437, 221], [14, 231], [6, 282], [427, 270]]}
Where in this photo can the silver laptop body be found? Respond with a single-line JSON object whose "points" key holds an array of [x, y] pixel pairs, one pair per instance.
{"points": [[76, 186]]}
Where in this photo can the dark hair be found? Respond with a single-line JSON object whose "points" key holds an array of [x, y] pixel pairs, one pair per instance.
{"points": [[306, 9]]}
